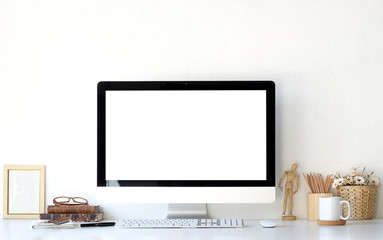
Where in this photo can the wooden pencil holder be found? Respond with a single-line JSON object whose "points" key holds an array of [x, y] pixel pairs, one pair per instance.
{"points": [[313, 204]]}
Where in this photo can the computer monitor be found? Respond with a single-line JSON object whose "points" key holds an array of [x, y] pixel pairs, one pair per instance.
{"points": [[187, 141]]}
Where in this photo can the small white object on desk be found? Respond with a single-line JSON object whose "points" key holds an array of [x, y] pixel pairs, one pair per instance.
{"points": [[44, 224], [267, 223]]}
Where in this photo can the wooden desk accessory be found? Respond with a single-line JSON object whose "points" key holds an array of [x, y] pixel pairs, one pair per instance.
{"points": [[318, 188], [331, 223], [289, 192]]}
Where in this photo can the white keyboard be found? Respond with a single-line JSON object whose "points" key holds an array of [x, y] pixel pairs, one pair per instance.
{"points": [[180, 223]]}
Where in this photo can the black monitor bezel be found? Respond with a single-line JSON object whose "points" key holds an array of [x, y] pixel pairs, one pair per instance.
{"points": [[269, 86]]}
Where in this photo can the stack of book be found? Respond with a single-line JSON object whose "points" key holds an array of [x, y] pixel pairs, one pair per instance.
{"points": [[76, 213]]}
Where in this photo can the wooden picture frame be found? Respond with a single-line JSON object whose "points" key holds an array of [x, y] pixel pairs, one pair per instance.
{"points": [[24, 191]]}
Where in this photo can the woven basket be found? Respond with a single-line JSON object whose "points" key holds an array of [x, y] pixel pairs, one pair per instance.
{"points": [[362, 200]]}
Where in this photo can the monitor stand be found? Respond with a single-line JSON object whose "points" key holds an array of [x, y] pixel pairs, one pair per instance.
{"points": [[187, 210]]}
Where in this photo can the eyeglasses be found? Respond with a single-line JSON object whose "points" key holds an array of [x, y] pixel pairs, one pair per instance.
{"points": [[66, 201]]}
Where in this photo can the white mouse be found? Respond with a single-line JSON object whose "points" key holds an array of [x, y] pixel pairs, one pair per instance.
{"points": [[267, 223]]}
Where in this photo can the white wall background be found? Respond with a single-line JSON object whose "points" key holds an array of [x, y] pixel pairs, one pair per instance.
{"points": [[326, 58]]}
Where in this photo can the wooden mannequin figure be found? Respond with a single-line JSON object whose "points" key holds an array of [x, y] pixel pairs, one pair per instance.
{"points": [[290, 176]]}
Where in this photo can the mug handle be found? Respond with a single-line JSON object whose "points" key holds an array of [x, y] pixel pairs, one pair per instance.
{"points": [[349, 210]]}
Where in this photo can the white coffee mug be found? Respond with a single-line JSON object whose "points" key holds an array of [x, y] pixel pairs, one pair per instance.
{"points": [[330, 209]]}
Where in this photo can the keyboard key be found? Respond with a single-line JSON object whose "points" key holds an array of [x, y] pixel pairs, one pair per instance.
{"points": [[225, 222], [239, 222]]}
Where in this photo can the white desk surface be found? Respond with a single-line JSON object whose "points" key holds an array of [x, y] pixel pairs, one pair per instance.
{"points": [[299, 229]]}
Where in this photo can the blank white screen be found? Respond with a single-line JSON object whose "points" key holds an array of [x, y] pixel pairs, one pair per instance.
{"points": [[186, 135]]}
